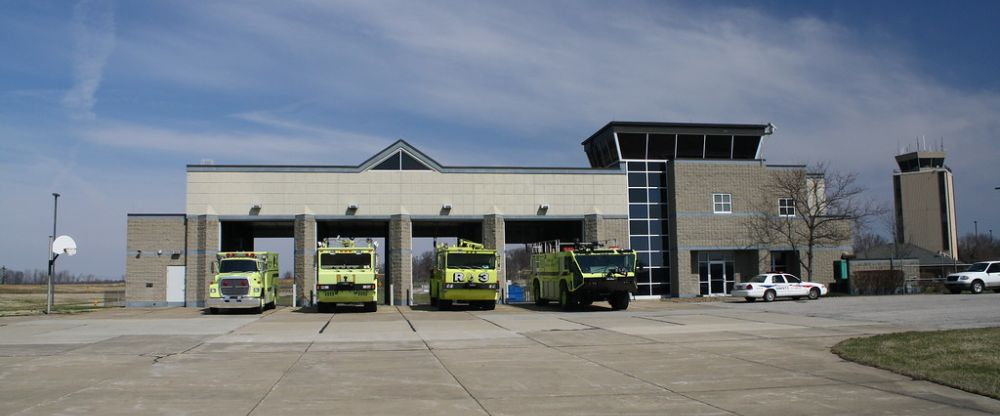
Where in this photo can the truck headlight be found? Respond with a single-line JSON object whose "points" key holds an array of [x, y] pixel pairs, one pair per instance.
{"points": [[963, 278]]}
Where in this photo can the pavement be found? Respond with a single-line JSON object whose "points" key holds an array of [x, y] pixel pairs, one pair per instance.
{"points": [[698, 358]]}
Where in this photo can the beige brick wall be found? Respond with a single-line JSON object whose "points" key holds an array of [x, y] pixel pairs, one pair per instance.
{"points": [[385, 193], [202, 246], [146, 272]]}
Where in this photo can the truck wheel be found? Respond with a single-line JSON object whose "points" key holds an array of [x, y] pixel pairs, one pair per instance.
{"points": [[444, 304], [213, 311], [977, 287], [587, 301], [769, 296], [371, 307], [813, 294], [322, 307], [434, 301], [619, 301], [566, 299], [536, 291], [750, 299], [488, 305]]}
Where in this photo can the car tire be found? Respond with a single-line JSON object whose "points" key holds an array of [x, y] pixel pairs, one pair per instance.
{"points": [[955, 291], [976, 287], [750, 299], [813, 294], [536, 291], [769, 296]]}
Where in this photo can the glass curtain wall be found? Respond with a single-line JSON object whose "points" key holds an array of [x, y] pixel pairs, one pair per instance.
{"points": [[647, 195]]}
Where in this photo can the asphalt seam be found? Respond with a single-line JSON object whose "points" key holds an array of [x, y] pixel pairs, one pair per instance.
{"points": [[442, 364]]}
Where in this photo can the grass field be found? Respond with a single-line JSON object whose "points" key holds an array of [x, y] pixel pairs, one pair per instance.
{"points": [[69, 298], [967, 359]]}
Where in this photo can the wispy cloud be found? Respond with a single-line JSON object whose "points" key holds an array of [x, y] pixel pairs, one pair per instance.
{"points": [[94, 35]]}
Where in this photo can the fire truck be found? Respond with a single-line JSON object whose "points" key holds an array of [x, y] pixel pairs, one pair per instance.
{"points": [[465, 272], [346, 273], [243, 280], [579, 274]]}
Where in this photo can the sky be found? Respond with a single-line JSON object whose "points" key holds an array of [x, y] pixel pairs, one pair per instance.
{"points": [[106, 102]]}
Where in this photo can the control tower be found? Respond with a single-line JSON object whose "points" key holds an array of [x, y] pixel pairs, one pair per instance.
{"points": [[924, 197]]}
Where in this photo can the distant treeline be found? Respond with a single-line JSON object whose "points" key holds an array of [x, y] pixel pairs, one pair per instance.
{"points": [[34, 277]]}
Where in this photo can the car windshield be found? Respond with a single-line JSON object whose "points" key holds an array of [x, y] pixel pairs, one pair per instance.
{"points": [[601, 263], [345, 261], [470, 261], [760, 278], [978, 267], [237, 266]]}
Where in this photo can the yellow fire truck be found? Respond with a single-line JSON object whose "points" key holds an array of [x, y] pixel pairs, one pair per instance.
{"points": [[346, 274], [465, 272], [243, 280], [580, 274]]}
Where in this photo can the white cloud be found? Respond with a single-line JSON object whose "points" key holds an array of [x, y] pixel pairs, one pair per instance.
{"points": [[94, 34]]}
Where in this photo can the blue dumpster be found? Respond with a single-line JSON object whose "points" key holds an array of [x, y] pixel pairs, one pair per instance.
{"points": [[515, 293]]}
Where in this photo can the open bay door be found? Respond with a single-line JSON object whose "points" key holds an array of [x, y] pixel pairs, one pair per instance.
{"points": [[175, 285]]}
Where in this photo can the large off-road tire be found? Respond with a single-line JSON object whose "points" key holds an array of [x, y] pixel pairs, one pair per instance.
{"points": [[976, 287], [536, 291], [371, 306], [750, 299], [813, 294], [769, 296], [213, 311], [619, 301], [567, 299], [444, 304], [322, 307]]}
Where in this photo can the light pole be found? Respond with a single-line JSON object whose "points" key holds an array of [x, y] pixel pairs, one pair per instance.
{"points": [[975, 225], [52, 256]]}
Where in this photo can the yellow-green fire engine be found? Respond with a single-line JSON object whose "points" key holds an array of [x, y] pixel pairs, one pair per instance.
{"points": [[243, 280], [346, 274], [465, 272], [579, 274]]}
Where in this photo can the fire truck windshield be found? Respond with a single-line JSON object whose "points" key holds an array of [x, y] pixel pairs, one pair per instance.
{"points": [[345, 261], [237, 266], [602, 263], [470, 261]]}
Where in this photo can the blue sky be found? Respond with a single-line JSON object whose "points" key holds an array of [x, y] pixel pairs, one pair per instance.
{"points": [[105, 102]]}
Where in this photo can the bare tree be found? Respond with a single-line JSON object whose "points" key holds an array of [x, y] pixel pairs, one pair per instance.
{"points": [[973, 248], [808, 208]]}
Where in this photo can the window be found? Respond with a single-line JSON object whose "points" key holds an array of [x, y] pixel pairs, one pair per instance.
{"points": [[777, 279], [722, 203], [994, 268], [786, 207], [792, 279]]}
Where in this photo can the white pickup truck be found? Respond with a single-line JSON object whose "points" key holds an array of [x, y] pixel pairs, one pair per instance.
{"points": [[979, 277]]}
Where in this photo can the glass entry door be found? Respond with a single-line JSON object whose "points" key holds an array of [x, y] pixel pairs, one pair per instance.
{"points": [[716, 273]]}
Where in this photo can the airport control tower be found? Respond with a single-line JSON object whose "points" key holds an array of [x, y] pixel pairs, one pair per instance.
{"points": [[924, 196]]}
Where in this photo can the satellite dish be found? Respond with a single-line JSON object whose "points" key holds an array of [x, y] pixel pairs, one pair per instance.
{"points": [[64, 245]]}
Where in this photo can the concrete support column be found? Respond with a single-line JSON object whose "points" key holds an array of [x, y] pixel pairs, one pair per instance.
{"points": [[202, 246], [611, 230], [400, 255], [305, 256], [684, 280], [494, 236]]}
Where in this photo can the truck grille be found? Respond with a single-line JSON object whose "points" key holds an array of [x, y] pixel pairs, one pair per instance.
{"points": [[234, 287], [952, 278]]}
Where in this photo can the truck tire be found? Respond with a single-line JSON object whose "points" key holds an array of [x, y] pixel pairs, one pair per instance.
{"points": [[434, 301], [488, 305], [619, 301], [536, 291], [322, 307], [444, 304], [213, 311], [769, 296], [567, 300], [976, 287], [371, 307], [813, 294]]}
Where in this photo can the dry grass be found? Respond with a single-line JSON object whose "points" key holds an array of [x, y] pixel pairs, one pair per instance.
{"points": [[967, 359], [69, 298]]}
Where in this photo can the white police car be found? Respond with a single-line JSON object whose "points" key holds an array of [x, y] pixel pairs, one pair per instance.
{"points": [[769, 286]]}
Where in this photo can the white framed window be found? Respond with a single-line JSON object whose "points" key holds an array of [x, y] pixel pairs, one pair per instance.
{"points": [[786, 207], [722, 203]]}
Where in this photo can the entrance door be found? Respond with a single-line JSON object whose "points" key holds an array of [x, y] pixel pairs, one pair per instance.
{"points": [[716, 278], [175, 285]]}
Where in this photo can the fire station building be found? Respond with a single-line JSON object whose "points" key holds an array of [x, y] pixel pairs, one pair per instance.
{"points": [[677, 193]]}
